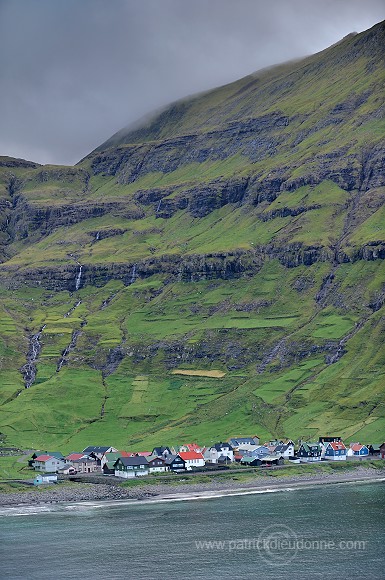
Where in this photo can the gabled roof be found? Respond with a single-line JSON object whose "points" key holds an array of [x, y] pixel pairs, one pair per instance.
{"points": [[189, 455], [220, 446], [357, 446], [309, 447], [66, 467], [112, 457], [224, 459], [44, 458], [96, 449], [192, 446], [336, 445], [116, 454], [155, 458], [282, 448], [55, 454], [249, 447], [84, 459], [160, 450], [271, 448], [132, 461], [270, 458], [143, 454], [73, 456], [249, 459], [236, 441], [171, 459]]}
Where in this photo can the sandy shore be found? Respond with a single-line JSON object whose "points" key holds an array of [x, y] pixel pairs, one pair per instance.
{"points": [[162, 491]]}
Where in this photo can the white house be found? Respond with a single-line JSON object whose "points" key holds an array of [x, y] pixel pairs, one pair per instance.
{"points": [[192, 459], [156, 464], [45, 478], [190, 447], [48, 463], [219, 453], [357, 450], [286, 450], [68, 469]]}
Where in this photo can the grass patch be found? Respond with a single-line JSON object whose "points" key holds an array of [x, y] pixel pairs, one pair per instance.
{"points": [[199, 373]]}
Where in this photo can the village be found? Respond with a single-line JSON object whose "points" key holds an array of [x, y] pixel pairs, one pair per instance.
{"points": [[243, 451]]}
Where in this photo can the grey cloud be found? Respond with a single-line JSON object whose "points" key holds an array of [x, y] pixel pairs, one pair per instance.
{"points": [[75, 71]]}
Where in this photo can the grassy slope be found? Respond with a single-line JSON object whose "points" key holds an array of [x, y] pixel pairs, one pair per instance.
{"points": [[143, 402], [230, 326]]}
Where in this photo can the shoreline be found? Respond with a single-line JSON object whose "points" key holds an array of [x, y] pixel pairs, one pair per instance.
{"points": [[161, 492]]}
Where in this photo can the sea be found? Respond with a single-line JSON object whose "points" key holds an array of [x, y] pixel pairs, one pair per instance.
{"points": [[327, 532]]}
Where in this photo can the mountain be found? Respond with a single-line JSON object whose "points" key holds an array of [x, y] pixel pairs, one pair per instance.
{"points": [[216, 271]]}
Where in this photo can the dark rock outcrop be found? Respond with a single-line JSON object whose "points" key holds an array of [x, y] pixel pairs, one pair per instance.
{"points": [[186, 268]]}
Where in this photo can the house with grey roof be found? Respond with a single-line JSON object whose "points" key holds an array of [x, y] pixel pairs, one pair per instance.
{"points": [[219, 453], [285, 449], [128, 467]]}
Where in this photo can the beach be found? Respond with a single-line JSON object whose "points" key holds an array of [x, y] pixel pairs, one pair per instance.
{"points": [[181, 490]]}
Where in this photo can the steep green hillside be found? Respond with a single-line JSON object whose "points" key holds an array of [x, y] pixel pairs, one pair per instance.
{"points": [[239, 231]]}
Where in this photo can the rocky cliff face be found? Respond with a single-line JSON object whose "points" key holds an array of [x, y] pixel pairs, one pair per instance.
{"points": [[193, 268]]}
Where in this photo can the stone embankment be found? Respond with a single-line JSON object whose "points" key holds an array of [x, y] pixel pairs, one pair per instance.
{"points": [[62, 493], [183, 486]]}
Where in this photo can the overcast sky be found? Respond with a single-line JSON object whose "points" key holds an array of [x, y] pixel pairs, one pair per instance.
{"points": [[73, 72]]}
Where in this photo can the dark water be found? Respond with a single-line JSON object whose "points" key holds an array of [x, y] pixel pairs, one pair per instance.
{"points": [[330, 532]]}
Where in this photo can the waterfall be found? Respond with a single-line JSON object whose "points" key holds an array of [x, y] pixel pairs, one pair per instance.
{"points": [[97, 236], [78, 278], [70, 311], [67, 350], [133, 275], [106, 302], [29, 369], [159, 204], [180, 273]]}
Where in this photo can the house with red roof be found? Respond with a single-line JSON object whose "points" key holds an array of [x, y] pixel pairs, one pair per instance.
{"points": [[83, 463], [192, 459], [190, 447], [48, 463], [335, 451], [74, 456], [357, 450]]}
